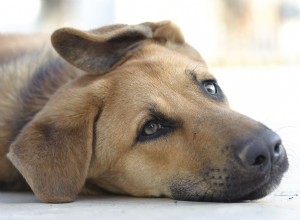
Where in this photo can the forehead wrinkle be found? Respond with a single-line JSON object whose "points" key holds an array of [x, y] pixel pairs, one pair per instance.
{"points": [[174, 105], [157, 68]]}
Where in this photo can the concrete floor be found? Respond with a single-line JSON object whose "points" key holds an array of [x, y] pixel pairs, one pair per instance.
{"points": [[26, 206], [270, 95]]}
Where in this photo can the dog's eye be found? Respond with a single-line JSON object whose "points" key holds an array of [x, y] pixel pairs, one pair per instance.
{"points": [[210, 87], [157, 126], [151, 128]]}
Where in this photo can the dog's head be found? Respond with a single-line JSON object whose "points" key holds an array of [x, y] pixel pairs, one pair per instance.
{"points": [[148, 119]]}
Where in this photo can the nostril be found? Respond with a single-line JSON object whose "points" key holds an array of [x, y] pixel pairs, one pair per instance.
{"points": [[259, 160], [277, 149], [254, 156]]}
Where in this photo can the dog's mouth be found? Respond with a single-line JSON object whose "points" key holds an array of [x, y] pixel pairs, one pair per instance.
{"points": [[252, 190], [234, 193], [261, 191], [223, 188]]}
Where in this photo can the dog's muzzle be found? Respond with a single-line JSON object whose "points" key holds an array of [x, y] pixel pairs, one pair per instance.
{"points": [[255, 164]]}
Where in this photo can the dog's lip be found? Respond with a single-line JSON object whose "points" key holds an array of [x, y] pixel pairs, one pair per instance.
{"points": [[241, 191], [249, 192], [260, 192], [254, 189], [230, 195]]}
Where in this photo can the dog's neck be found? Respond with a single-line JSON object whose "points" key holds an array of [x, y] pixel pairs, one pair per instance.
{"points": [[46, 76]]}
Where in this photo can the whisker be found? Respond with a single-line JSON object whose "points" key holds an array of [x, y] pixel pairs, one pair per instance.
{"points": [[285, 127]]}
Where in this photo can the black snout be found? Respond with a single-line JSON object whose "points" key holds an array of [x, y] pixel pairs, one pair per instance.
{"points": [[261, 151]]}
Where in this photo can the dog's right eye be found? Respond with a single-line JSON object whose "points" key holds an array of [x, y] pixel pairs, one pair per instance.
{"points": [[210, 87]]}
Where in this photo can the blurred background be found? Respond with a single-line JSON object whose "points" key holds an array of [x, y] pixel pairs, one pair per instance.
{"points": [[252, 46], [227, 32]]}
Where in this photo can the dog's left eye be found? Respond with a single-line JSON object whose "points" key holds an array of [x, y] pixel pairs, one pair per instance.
{"points": [[210, 87], [152, 129]]}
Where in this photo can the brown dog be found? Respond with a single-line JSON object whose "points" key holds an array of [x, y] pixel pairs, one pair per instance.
{"points": [[136, 113]]}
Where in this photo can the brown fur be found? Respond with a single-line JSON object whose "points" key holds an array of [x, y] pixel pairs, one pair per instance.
{"points": [[64, 128]]}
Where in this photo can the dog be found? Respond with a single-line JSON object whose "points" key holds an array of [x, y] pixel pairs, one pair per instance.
{"points": [[129, 109]]}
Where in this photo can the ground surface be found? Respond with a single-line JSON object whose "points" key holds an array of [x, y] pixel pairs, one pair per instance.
{"points": [[270, 95], [26, 206]]}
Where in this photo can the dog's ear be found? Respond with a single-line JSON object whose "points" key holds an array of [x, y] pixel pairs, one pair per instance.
{"points": [[169, 34], [54, 150], [166, 31], [100, 50]]}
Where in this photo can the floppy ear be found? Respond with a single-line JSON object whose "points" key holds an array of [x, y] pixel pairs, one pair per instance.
{"points": [[97, 51], [54, 150], [100, 50]]}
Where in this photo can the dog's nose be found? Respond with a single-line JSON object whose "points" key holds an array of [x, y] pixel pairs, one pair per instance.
{"points": [[261, 151]]}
